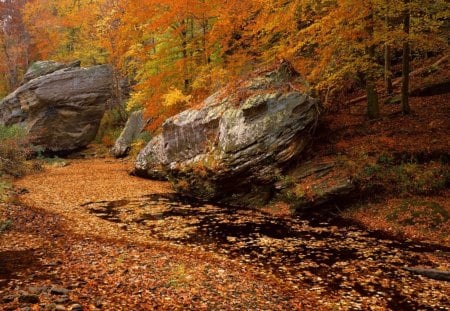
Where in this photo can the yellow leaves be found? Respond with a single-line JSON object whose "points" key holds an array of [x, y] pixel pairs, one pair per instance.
{"points": [[176, 98], [136, 101], [211, 78]]}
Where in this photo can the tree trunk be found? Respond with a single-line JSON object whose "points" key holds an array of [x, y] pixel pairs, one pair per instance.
{"points": [[120, 103], [184, 44], [399, 80], [406, 61], [373, 109], [388, 61], [387, 70]]}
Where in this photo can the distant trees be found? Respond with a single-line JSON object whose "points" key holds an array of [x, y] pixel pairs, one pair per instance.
{"points": [[14, 45], [64, 29]]}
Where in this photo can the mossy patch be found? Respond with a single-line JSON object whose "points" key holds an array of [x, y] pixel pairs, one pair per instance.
{"points": [[426, 214], [406, 178]]}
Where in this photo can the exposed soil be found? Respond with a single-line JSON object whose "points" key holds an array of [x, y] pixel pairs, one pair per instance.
{"points": [[90, 235]]}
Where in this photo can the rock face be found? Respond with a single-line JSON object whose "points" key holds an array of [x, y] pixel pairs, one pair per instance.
{"points": [[60, 110], [42, 68], [234, 147], [131, 131], [315, 183]]}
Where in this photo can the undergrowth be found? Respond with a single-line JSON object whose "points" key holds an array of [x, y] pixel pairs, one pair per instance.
{"points": [[110, 128], [5, 225], [412, 196], [139, 143], [406, 178], [4, 188], [14, 150]]}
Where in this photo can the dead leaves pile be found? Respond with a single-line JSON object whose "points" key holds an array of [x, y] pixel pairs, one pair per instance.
{"points": [[115, 242]]}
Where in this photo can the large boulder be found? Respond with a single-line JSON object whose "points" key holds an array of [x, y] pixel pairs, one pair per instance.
{"points": [[61, 110], [134, 126], [234, 147], [45, 67]]}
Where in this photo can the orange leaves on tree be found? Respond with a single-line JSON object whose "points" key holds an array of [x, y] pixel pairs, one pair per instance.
{"points": [[197, 46]]}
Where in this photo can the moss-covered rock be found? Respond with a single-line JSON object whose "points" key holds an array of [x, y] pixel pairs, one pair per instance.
{"points": [[45, 67]]}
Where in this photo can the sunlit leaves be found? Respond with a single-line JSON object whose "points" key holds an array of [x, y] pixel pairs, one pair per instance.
{"points": [[196, 46]]}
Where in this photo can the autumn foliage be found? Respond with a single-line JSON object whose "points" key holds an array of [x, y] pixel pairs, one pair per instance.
{"points": [[190, 48]]}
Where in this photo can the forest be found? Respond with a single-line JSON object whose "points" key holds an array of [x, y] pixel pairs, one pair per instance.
{"points": [[176, 53], [224, 155]]}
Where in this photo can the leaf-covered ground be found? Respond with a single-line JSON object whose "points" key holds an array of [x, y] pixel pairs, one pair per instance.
{"points": [[88, 236]]}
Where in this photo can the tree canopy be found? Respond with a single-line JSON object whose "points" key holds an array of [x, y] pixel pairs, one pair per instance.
{"points": [[178, 52]]}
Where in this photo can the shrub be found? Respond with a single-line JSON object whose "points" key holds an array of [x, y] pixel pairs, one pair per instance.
{"points": [[13, 151], [110, 128], [4, 188], [5, 225]]}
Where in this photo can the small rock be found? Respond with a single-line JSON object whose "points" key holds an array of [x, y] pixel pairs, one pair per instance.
{"points": [[29, 298], [25, 309], [61, 300], [231, 239], [74, 285], [50, 307], [36, 290], [59, 291], [123, 226], [76, 307], [60, 308], [9, 298], [60, 164]]}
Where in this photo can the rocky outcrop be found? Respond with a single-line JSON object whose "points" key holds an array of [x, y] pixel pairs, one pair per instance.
{"points": [[134, 126], [315, 183], [45, 67], [233, 148], [61, 110]]}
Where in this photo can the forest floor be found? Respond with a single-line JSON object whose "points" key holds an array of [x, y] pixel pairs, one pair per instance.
{"points": [[402, 163], [85, 235]]}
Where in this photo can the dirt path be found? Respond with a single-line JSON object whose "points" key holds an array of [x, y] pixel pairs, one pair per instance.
{"points": [[89, 236]]}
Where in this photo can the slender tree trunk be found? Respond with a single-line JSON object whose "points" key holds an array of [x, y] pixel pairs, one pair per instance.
{"points": [[406, 61], [373, 109], [184, 44], [387, 70], [207, 57], [387, 63]]}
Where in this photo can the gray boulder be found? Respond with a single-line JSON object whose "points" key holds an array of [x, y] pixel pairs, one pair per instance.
{"points": [[61, 111], [134, 126], [45, 67], [234, 147]]}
